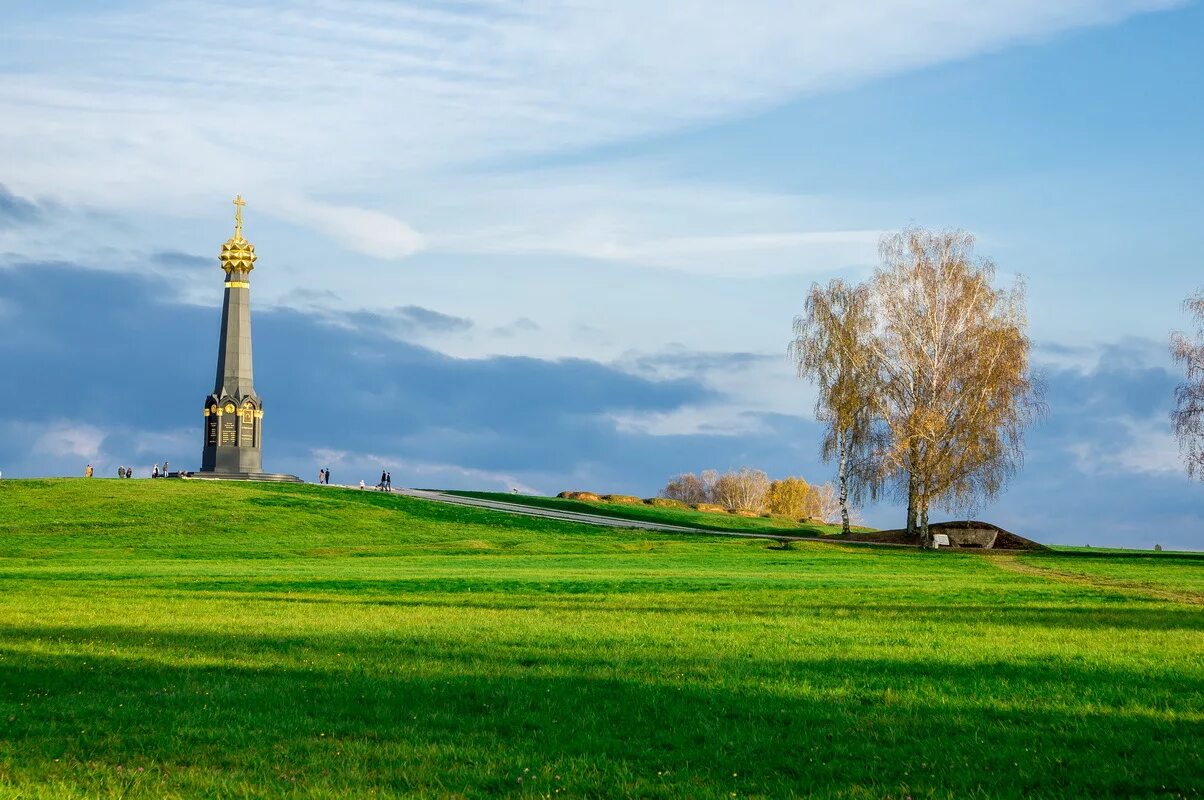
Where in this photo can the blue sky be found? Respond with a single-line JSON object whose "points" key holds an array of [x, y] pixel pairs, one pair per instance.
{"points": [[560, 245]]}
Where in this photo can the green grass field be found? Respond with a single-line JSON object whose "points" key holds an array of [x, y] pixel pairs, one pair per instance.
{"points": [[193, 639], [668, 516]]}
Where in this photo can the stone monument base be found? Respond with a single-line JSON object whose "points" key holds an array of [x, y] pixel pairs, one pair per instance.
{"points": [[270, 477]]}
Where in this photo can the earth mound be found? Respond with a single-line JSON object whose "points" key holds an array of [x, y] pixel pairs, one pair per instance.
{"points": [[590, 496], [963, 535], [621, 498]]}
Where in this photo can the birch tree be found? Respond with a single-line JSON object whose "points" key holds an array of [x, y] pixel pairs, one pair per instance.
{"points": [[745, 489], [950, 355], [688, 488], [831, 346], [1188, 416]]}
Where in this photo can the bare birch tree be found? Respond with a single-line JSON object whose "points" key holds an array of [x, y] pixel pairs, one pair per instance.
{"points": [[951, 359], [831, 346], [827, 504], [1188, 416], [745, 489], [687, 487]]}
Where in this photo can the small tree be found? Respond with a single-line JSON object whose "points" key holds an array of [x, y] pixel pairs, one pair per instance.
{"points": [[709, 478], [827, 505], [831, 345], [745, 489], [1188, 416], [790, 497], [688, 488]]}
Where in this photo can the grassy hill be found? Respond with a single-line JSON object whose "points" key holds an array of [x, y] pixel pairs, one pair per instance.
{"points": [[668, 516], [194, 639]]}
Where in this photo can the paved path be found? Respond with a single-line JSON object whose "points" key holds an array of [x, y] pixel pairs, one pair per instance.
{"points": [[609, 522]]}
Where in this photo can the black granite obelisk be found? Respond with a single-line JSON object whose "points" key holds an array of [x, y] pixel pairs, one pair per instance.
{"points": [[234, 412]]}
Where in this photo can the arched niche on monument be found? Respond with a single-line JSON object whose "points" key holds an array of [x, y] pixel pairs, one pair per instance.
{"points": [[227, 414], [248, 424]]}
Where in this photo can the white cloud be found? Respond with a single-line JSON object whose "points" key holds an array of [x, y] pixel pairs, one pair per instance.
{"points": [[362, 230], [746, 387], [1153, 449], [172, 103], [719, 419], [631, 213], [155, 443], [1150, 449], [71, 439], [1127, 352]]}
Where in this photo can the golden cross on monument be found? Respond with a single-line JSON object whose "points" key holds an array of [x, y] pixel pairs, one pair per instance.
{"points": [[238, 204]]}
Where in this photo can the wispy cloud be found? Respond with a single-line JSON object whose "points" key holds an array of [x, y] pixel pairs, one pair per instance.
{"points": [[362, 230], [1146, 447], [65, 438], [718, 419], [328, 111], [636, 213], [16, 210]]}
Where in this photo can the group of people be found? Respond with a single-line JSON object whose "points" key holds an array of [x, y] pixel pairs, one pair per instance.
{"points": [[128, 472], [385, 485]]}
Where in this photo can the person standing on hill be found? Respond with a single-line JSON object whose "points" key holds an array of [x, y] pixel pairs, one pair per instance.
{"points": [[155, 474], [165, 472], [88, 471], [388, 481], [328, 476]]}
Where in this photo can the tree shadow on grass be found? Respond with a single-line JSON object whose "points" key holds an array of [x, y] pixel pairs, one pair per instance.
{"points": [[341, 714]]}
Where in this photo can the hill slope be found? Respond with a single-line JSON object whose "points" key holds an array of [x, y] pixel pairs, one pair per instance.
{"points": [[170, 639], [687, 517]]}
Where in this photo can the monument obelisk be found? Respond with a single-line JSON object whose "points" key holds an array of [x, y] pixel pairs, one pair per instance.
{"points": [[234, 412]]}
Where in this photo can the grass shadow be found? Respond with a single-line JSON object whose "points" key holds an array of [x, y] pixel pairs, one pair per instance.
{"points": [[347, 716]]}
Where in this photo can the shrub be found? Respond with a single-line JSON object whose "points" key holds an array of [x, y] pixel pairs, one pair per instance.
{"points": [[664, 502], [709, 508], [621, 498]]}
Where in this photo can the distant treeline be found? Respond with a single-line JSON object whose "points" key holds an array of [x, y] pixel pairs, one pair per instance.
{"points": [[751, 491]]}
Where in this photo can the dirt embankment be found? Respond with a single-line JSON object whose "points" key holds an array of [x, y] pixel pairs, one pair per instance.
{"points": [[1003, 540]]}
